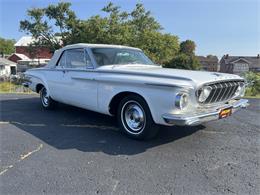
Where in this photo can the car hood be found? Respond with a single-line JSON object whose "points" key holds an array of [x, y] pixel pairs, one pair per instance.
{"points": [[198, 77]]}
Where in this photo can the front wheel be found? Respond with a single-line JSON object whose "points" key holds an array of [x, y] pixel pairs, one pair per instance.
{"points": [[46, 100], [134, 118]]}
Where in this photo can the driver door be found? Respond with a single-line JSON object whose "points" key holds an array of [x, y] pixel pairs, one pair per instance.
{"points": [[80, 85]]}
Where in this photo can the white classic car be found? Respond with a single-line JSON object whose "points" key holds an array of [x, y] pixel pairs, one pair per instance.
{"points": [[122, 81]]}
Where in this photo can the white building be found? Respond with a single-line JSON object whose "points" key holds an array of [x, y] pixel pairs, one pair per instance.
{"points": [[7, 67]]}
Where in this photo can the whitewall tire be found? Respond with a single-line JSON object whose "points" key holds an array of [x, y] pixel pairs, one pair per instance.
{"points": [[134, 118], [46, 100]]}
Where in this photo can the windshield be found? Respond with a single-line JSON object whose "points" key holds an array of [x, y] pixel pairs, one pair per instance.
{"points": [[113, 56]]}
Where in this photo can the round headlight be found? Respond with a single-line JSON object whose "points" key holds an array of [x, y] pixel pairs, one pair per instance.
{"points": [[204, 94], [181, 100]]}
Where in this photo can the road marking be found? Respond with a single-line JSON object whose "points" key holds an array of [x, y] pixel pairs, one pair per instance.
{"points": [[30, 153], [213, 132], [6, 169], [23, 124], [102, 141], [116, 184], [28, 124], [22, 157], [4, 122], [91, 126], [64, 125]]}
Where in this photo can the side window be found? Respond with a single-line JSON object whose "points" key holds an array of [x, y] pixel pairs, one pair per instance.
{"points": [[88, 61], [62, 60], [75, 58]]}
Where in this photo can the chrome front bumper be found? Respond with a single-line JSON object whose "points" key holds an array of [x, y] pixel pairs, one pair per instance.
{"points": [[203, 116]]}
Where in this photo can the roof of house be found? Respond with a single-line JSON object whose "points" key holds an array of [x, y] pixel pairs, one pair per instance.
{"points": [[21, 56], [24, 41], [208, 59], [27, 40], [6, 62], [253, 61]]}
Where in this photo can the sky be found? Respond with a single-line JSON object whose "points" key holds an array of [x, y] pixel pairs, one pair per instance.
{"points": [[218, 27]]}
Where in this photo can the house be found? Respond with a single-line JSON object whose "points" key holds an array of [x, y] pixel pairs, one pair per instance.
{"points": [[239, 64], [209, 63], [15, 57], [27, 56], [7, 67], [22, 47]]}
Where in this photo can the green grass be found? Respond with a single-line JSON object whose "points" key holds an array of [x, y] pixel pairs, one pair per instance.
{"points": [[8, 87], [249, 94]]}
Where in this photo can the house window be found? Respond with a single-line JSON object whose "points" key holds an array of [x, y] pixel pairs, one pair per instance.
{"points": [[239, 67]]}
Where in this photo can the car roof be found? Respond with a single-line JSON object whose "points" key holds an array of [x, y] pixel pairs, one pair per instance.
{"points": [[87, 45], [57, 54]]}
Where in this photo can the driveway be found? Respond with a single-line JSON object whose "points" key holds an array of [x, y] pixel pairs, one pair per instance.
{"points": [[70, 150]]}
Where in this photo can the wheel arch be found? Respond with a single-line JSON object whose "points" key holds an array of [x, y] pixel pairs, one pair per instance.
{"points": [[114, 103], [38, 87]]}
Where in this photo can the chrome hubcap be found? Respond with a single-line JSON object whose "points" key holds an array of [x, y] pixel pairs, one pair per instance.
{"points": [[133, 116], [45, 98]]}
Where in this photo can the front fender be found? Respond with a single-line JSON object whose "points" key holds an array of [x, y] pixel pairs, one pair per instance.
{"points": [[159, 99]]}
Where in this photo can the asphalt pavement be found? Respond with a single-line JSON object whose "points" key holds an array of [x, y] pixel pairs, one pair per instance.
{"points": [[74, 151]]}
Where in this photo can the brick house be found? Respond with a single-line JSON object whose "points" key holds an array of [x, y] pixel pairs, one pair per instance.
{"points": [[29, 57], [15, 57], [239, 64], [209, 63], [22, 47]]}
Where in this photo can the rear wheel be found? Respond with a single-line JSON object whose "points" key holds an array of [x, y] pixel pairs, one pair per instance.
{"points": [[134, 118], [46, 100]]}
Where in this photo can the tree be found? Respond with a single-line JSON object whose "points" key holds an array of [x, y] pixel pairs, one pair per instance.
{"points": [[137, 28], [188, 47], [38, 24], [184, 61], [7, 46], [186, 58], [211, 56], [161, 48]]}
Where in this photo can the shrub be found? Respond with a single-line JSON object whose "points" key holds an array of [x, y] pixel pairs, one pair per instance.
{"points": [[253, 82]]}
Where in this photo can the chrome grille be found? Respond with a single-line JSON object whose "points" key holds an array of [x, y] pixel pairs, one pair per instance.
{"points": [[221, 91]]}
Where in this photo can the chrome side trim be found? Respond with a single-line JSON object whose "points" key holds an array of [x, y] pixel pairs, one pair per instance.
{"points": [[144, 75], [168, 85], [114, 72], [83, 78]]}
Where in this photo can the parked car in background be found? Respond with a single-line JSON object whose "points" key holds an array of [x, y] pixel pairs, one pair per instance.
{"points": [[122, 81]]}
